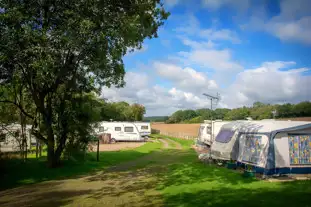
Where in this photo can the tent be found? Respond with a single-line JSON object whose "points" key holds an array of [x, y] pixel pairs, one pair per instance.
{"points": [[275, 147], [225, 146]]}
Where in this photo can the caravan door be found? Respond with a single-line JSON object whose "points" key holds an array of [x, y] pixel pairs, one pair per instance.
{"points": [[130, 132], [118, 132]]}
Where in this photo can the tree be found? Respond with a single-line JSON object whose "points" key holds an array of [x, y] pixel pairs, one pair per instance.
{"points": [[62, 49], [194, 120], [176, 117], [138, 111], [302, 109], [188, 114], [285, 110], [262, 112], [220, 113], [237, 114], [206, 114], [258, 104]]}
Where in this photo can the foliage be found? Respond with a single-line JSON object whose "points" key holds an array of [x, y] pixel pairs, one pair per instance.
{"points": [[206, 114], [155, 118], [60, 50], [122, 111], [194, 120], [258, 111], [238, 114]]}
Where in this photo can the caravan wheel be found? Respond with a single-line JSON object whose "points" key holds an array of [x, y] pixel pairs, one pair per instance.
{"points": [[113, 141]]}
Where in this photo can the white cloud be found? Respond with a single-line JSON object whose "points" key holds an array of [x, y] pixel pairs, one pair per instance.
{"points": [[269, 84], [293, 23], [190, 25], [217, 4], [197, 44], [218, 60], [187, 78], [223, 34], [159, 100], [293, 30]]}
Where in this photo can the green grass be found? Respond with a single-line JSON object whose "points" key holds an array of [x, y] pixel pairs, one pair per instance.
{"points": [[185, 143], [35, 170], [188, 182], [168, 177]]}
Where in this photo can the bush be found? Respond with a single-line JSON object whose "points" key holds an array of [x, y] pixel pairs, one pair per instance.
{"points": [[155, 131], [76, 149]]}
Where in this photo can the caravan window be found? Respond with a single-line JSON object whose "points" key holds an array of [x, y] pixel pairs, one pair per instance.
{"points": [[2, 137], [299, 149], [144, 127], [224, 136], [208, 130], [101, 129], [117, 128], [129, 129]]}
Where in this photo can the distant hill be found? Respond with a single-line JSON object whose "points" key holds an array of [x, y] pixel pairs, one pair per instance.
{"points": [[155, 118]]}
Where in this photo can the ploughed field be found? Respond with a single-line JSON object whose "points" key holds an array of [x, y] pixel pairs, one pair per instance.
{"points": [[177, 129], [163, 172]]}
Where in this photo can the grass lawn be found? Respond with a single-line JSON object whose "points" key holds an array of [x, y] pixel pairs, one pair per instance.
{"points": [[185, 143], [35, 170], [147, 176]]}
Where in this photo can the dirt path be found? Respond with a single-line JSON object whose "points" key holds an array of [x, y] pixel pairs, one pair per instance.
{"points": [[177, 145], [126, 184], [165, 143], [118, 146]]}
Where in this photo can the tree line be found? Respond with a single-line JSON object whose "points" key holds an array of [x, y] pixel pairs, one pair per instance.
{"points": [[156, 118], [257, 111]]}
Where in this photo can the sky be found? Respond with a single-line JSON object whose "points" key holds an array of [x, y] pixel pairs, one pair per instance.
{"points": [[243, 50]]}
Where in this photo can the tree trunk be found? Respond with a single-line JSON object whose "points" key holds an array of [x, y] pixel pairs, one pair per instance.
{"points": [[53, 158]]}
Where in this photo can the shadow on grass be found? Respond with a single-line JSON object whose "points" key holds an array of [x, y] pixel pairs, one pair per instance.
{"points": [[286, 194], [44, 194], [172, 168], [161, 178], [35, 170]]}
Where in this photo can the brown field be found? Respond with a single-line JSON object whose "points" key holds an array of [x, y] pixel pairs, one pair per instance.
{"points": [[298, 119], [177, 130], [191, 130]]}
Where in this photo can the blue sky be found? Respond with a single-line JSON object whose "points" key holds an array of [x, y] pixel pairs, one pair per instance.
{"points": [[245, 50]]}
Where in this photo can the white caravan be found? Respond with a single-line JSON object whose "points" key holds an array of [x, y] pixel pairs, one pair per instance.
{"points": [[205, 131], [225, 146], [120, 131], [144, 128], [10, 137]]}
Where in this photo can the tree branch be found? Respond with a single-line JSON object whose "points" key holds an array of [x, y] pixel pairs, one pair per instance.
{"points": [[39, 135], [18, 106]]}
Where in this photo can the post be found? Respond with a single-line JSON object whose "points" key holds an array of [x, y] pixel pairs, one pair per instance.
{"points": [[40, 149], [97, 157], [37, 148]]}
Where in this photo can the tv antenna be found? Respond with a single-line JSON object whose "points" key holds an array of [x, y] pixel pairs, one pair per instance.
{"points": [[212, 98]]}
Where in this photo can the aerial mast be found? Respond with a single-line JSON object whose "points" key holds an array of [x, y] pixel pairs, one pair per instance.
{"points": [[212, 98]]}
